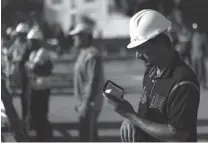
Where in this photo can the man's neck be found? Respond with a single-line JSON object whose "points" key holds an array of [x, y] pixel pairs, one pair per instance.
{"points": [[166, 60]]}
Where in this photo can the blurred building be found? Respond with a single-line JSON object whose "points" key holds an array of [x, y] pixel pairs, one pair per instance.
{"points": [[65, 12]]}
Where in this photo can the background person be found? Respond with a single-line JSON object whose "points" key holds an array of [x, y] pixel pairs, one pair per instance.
{"points": [[88, 82], [198, 55], [39, 68]]}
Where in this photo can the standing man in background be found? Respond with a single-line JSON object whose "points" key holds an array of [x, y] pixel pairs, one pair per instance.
{"points": [[16, 52], [39, 69], [198, 55], [88, 81]]}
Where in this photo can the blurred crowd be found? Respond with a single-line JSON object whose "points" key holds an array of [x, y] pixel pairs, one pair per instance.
{"points": [[27, 50]]}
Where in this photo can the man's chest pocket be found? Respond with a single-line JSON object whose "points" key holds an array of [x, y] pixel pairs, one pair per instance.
{"points": [[157, 103]]}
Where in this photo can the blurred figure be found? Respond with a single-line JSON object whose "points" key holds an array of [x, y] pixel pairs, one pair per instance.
{"points": [[9, 32], [15, 53], [4, 57], [10, 124], [198, 55], [183, 45], [39, 68], [88, 81], [19, 45], [174, 28], [180, 35]]}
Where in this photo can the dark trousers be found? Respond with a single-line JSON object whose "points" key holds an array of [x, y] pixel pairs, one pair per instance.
{"points": [[24, 96], [88, 127], [39, 114], [15, 127], [24, 102]]}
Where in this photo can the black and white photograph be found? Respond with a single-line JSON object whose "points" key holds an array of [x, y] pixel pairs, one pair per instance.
{"points": [[104, 71]]}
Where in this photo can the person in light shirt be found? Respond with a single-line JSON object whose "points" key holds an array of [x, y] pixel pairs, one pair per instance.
{"points": [[39, 69], [88, 81]]}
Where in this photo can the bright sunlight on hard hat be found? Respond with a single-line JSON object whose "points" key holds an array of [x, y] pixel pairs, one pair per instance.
{"points": [[35, 34], [22, 27], [145, 25]]}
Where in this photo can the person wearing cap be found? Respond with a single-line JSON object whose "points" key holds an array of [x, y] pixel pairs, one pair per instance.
{"points": [[38, 69], [15, 53], [170, 95], [88, 82], [198, 55], [18, 47]]}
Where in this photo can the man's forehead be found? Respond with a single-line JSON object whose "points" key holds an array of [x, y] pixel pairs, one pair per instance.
{"points": [[142, 46]]}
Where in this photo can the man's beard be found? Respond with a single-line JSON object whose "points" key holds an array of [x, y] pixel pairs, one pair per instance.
{"points": [[143, 58]]}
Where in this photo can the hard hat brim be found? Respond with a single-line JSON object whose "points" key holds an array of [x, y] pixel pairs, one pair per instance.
{"points": [[137, 43]]}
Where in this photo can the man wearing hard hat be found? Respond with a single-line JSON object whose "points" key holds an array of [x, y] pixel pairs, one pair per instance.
{"points": [[39, 68], [88, 81], [15, 53], [19, 44], [170, 96]]}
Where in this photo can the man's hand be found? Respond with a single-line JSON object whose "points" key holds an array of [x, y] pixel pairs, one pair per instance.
{"points": [[82, 109], [124, 108], [128, 131]]}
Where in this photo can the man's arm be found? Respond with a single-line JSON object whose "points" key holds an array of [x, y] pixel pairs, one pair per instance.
{"points": [[92, 70], [182, 116], [157, 130]]}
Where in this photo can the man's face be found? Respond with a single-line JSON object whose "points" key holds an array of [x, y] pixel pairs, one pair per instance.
{"points": [[150, 52]]}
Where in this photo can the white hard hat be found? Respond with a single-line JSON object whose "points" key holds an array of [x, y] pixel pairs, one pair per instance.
{"points": [[22, 27], [9, 31], [145, 25], [35, 34]]}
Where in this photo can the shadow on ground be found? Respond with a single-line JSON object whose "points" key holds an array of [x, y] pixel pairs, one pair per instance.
{"points": [[63, 128]]}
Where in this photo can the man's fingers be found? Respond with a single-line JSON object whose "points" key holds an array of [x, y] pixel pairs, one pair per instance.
{"points": [[133, 135], [122, 134], [129, 133], [126, 134]]}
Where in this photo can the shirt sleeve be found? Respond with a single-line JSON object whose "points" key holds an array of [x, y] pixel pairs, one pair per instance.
{"points": [[183, 107]]}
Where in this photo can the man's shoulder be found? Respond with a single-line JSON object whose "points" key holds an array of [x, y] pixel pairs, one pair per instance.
{"points": [[185, 73]]}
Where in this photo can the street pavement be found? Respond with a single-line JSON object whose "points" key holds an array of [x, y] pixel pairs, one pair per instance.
{"points": [[127, 74]]}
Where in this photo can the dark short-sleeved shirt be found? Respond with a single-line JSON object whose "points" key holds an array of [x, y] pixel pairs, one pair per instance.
{"points": [[170, 98]]}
